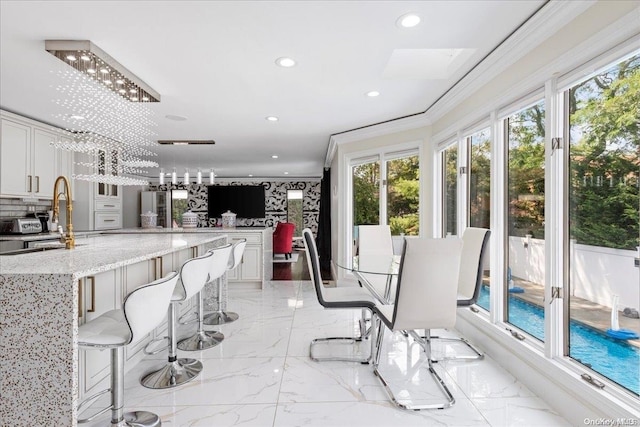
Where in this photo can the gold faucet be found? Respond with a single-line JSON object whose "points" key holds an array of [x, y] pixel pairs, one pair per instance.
{"points": [[67, 238]]}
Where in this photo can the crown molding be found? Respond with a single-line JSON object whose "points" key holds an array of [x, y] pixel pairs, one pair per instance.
{"points": [[546, 22], [372, 131], [604, 46], [551, 17]]}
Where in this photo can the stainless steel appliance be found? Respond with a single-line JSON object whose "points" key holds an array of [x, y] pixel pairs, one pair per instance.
{"points": [[158, 202], [20, 226]]}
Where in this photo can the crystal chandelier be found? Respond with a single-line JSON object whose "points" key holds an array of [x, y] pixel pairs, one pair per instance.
{"points": [[89, 59]]}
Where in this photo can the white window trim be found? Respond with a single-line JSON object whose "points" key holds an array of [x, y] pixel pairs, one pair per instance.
{"points": [[359, 157], [552, 369]]}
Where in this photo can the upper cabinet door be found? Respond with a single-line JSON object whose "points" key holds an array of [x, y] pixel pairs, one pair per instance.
{"points": [[16, 178], [45, 163]]}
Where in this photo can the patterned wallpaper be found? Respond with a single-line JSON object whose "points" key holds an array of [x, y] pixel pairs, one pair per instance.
{"points": [[275, 200]]}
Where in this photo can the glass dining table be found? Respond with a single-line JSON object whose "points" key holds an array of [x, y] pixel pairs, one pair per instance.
{"points": [[376, 273]]}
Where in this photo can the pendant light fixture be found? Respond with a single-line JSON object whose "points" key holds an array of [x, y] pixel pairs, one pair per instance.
{"points": [[174, 177], [185, 181], [199, 177], [161, 177], [212, 177]]}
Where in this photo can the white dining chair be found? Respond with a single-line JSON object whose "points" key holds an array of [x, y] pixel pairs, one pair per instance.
{"points": [[345, 297], [425, 299], [475, 242]]}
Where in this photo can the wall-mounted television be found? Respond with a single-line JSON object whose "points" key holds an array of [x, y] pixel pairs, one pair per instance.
{"points": [[246, 201]]}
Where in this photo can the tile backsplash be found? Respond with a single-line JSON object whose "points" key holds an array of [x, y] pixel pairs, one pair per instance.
{"points": [[18, 208]]}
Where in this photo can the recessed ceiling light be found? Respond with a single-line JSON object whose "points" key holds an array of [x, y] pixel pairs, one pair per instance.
{"points": [[180, 143], [275, 156], [286, 173], [285, 62], [373, 93], [408, 20], [176, 118], [250, 175], [272, 118], [76, 117]]}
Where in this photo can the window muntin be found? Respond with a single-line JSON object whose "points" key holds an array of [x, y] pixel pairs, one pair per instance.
{"points": [[450, 190]]}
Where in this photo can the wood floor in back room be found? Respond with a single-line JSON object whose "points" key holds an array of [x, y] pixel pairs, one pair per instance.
{"points": [[296, 270]]}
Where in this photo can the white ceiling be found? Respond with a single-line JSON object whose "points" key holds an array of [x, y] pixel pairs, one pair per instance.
{"points": [[214, 63]]}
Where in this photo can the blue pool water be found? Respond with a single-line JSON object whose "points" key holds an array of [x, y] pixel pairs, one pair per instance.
{"points": [[612, 358]]}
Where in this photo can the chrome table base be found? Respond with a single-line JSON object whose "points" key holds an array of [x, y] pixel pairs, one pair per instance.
{"points": [[201, 341], [172, 374]]}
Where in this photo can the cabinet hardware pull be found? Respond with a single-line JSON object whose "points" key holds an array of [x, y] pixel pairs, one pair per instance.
{"points": [[161, 267], [30, 183], [37, 184], [109, 206], [93, 294], [109, 220], [79, 298]]}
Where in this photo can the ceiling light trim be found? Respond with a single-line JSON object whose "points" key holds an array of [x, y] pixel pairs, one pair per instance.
{"points": [[61, 48]]}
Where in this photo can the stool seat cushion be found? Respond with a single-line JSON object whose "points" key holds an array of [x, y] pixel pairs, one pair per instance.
{"points": [[108, 330]]}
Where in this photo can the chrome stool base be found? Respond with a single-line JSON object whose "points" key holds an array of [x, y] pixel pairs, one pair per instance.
{"points": [[220, 318], [139, 419], [172, 374], [201, 341]]}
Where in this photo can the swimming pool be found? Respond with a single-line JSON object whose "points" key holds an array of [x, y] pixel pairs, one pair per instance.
{"points": [[612, 358]]}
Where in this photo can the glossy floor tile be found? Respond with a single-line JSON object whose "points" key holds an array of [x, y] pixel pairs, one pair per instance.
{"points": [[261, 375]]}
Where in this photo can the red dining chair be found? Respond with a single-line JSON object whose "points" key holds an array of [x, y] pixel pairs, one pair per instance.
{"points": [[283, 239]]}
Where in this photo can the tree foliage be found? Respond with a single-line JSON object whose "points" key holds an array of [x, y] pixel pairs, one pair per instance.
{"points": [[605, 138]]}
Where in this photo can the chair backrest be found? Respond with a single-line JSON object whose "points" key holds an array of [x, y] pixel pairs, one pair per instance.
{"points": [[474, 246], [427, 284], [220, 258], [146, 307], [236, 254], [313, 262], [283, 238], [374, 246], [193, 275]]}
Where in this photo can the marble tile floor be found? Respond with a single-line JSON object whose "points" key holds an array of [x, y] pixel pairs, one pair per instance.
{"points": [[261, 375]]}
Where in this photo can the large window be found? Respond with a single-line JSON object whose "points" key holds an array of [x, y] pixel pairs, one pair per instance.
{"points": [[393, 200], [603, 170], [525, 246]]}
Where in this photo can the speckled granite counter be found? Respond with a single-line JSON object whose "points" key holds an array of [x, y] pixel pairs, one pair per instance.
{"points": [[39, 323]]}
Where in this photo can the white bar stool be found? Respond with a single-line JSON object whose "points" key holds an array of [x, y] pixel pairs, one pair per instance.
{"points": [[217, 266], [220, 316], [193, 275], [143, 310]]}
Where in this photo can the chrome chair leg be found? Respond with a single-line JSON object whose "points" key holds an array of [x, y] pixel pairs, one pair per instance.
{"points": [[346, 340], [426, 345], [202, 339], [220, 317], [478, 355], [176, 371]]}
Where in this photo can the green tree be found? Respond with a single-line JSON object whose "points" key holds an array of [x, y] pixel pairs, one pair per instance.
{"points": [[605, 138]]}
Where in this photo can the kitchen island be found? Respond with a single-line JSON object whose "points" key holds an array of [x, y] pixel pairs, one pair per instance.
{"points": [[44, 298]]}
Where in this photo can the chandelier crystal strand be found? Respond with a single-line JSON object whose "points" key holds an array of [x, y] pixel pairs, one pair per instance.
{"points": [[98, 118]]}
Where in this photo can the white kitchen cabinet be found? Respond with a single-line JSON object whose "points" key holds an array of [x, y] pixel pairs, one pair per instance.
{"points": [[107, 201], [29, 164], [99, 293], [255, 266]]}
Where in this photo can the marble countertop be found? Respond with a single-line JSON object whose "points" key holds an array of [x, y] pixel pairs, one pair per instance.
{"points": [[97, 253], [184, 230]]}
